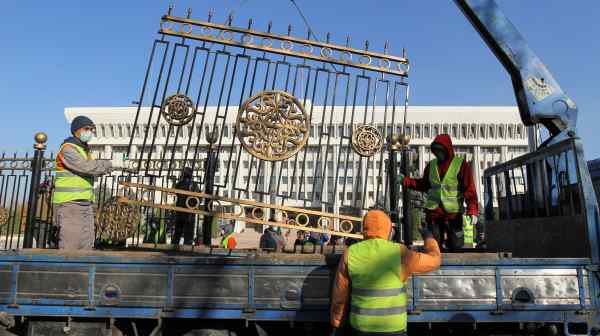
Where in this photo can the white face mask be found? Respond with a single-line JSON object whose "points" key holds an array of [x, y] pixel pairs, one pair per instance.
{"points": [[86, 136]]}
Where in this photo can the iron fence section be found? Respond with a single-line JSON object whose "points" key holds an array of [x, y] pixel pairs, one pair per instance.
{"points": [[222, 66]]}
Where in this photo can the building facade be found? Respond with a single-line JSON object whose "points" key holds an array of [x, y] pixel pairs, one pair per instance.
{"points": [[485, 135]]}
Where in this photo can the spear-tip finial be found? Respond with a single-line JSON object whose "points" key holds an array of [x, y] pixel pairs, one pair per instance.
{"points": [[366, 45], [250, 23], [289, 29], [328, 37], [229, 19], [386, 47], [170, 10], [189, 13], [269, 26], [211, 12]]}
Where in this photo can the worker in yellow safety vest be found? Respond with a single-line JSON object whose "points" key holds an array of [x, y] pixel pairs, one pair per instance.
{"points": [[371, 279], [73, 194], [449, 185]]}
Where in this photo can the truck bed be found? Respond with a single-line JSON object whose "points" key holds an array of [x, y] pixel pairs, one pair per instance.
{"points": [[253, 285]]}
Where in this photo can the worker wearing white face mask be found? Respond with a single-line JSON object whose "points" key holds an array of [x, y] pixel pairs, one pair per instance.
{"points": [[449, 186], [73, 194]]}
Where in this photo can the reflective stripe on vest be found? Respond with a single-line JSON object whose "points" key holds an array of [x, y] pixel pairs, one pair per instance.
{"points": [[69, 186], [378, 296], [445, 192], [469, 230]]}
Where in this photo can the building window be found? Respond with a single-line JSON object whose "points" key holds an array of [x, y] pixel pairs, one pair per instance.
{"points": [[482, 133], [103, 130], [246, 164], [473, 131], [341, 196], [301, 195], [511, 133], [349, 180], [312, 131], [464, 132], [309, 179], [349, 195], [426, 133], [371, 194], [246, 179], [454, 131], [340, 131], [520, 131], [436, 131], [310, 164], [418, 131], [226, 131], [501, 131], [492, 133], [370, 164]]}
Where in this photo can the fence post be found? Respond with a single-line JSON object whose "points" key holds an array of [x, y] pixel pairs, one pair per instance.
{"points": [[209, 178], [406, 202], [36, 173], [392, 178]]}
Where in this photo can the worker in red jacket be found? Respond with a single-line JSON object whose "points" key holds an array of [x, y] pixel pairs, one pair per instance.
{"points": [[448, 182]]}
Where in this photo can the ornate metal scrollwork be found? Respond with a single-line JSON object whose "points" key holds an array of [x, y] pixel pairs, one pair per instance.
{"points": [[178, 109], [272, 125], [117, 221], [225, 208], [4, 216], [366, 140]]}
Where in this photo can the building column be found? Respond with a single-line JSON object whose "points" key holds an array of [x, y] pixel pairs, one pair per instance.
{"points": [[107, 152], [503, 153], [421, 167], [477, 172]]}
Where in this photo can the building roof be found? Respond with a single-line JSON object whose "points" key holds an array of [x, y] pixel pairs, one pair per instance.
{"points": [[594, 167]]}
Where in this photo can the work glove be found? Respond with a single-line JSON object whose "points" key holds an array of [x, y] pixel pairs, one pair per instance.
{"points": [[401, 178], [425, 233], [122, 164], [474, 220]]}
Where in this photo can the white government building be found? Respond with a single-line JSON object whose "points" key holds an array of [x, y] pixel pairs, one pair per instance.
{"points": [[486, 135]]}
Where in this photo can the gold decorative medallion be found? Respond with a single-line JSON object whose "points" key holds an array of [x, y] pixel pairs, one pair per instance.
{"points": [[272, 125], [178, 110], [117, 221], [366, 140]]}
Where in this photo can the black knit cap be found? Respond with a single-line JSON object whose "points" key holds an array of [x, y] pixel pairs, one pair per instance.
{"points": [[80, 122]]}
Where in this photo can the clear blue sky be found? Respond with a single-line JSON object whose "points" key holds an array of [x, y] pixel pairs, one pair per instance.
{"points": [[93, 53]]}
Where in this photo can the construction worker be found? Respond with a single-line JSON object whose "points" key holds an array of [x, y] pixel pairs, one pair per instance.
{"points": [[73, 194], [372, 275], [229, 241], [184, 221], [448, 182]]}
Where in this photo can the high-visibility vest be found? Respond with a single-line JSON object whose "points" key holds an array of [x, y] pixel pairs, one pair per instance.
{"points": [[378, 296], [225, 241], [445, 192], [468, 230], [69, 186]]}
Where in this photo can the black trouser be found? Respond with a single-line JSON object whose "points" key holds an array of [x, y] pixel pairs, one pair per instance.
{"points": [[362, 333], [452, 229], [184, 224]]}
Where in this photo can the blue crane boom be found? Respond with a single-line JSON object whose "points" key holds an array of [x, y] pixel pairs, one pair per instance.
{"points": [[539, 97]]}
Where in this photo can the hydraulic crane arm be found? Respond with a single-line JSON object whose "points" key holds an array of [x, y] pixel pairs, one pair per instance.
{"points": [[539, 97]]}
